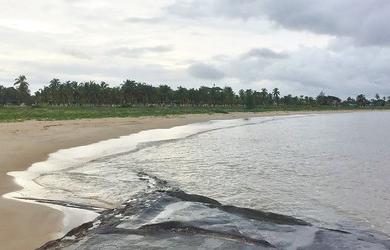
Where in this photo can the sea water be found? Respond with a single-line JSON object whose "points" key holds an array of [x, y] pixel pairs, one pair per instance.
{"points": [[330, 170]]}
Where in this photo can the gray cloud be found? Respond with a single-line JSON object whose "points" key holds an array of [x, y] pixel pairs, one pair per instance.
{"points": [[189, 9], [148, 20], [76, 54], [363, 20], [243, 9], [205, 71], [308, 70], [264, 53], [135, 52]]}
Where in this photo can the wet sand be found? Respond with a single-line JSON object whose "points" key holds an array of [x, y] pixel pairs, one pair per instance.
{"points": [[26, 226]]}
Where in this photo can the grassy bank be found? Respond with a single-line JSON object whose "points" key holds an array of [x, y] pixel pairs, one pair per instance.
{"points": [[10, 114]]}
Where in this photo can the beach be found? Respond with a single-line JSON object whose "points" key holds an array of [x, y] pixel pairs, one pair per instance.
{"points": [[26, 225]]}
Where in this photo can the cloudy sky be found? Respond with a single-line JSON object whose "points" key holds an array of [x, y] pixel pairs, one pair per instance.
{"points": [[341, 47]]}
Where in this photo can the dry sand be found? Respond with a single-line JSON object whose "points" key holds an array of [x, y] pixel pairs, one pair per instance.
{"points": [[25, 226]]}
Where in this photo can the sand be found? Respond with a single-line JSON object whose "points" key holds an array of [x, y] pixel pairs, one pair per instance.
{"points": [[26, 226]]}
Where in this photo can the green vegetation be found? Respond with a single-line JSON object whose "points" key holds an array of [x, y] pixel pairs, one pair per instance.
{"points": [[16, 113], [73, 100]]}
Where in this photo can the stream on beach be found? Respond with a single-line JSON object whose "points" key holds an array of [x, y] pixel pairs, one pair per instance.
{"points": [[287, 182]]}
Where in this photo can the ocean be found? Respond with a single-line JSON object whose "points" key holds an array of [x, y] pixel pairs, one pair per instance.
{"points": [[299, 174]]}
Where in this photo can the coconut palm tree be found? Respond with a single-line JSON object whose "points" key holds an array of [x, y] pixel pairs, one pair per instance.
{"points": [[21, 85], [361, 100], [276, 95], [21, 80], [264, 94]]}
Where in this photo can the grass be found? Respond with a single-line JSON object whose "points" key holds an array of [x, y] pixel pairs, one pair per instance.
{"points": [[10, 114], [14, 113]]}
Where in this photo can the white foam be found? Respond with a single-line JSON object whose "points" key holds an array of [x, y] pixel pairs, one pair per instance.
{"points": [[73, 218]]}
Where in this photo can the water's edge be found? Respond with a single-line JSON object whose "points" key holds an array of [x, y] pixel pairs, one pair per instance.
{"points": [[87, 220], [76, 215]]}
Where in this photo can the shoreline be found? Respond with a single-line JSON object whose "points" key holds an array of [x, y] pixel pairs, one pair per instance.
{"points": [[33, 224]]}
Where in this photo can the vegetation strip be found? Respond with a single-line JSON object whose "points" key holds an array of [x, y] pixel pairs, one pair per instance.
{"points": [[73, 100]]}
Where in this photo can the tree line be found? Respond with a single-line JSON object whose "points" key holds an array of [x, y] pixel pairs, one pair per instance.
{"points": [[132, 93]]}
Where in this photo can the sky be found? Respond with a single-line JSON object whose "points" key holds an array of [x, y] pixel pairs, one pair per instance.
{"points": [[302, 47]]}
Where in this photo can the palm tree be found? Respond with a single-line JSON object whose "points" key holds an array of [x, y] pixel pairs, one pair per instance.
{"points": [[264, 94], [23, 90], [361, 100], [21, 81], [128, 89], [276, 94], [228, 96], [249, 99]]}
